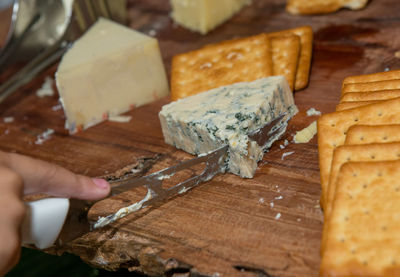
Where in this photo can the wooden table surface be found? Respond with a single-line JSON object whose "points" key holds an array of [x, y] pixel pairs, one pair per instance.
{"points": [[227, 226]]}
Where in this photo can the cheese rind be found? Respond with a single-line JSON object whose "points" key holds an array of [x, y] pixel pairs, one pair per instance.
{"points": [[227, 115], [204, 15], [108, 71]]}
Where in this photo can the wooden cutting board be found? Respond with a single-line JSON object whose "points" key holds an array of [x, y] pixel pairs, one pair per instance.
{"points": [[228, 226]]}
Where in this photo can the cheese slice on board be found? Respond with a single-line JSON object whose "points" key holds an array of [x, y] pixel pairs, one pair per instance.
{"points": [[108, 71], [206, 121], [204, 15]]}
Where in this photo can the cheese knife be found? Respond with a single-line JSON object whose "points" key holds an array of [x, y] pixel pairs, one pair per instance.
{"points": [[56, 221]]}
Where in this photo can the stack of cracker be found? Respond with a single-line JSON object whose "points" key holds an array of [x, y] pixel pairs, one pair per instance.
{"points": [[368, 89], [286, 53], [359, 156]]}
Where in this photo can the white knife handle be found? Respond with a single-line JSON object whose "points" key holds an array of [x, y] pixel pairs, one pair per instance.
{"points": [[43, 221]]}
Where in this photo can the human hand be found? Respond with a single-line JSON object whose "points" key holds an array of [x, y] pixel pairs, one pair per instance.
{"points": [[21, 175]]}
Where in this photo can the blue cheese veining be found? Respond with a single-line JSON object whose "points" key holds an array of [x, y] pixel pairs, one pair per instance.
{"points": [[227, 115]]}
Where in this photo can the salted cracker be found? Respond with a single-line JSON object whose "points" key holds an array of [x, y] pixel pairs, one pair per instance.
{"points": [[306, 40], [332, 130], [225, 63], [363, 236], [359, 153], [380, 76], [285, 57], [371, 86], [351, 100], [366, 134], [355, 153], [370, 95], [322, 6], [354, 104]]}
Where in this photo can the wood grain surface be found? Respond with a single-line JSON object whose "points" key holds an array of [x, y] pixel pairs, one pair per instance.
{"points": [[227, 226]]}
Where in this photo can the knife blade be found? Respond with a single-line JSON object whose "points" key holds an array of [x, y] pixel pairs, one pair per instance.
{"points": [[57, 221]]}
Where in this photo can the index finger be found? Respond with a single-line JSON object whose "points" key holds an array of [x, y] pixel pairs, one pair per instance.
{"points": [[43, 177]]}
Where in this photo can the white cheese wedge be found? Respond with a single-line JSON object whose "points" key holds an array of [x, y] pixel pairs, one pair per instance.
{"points": [[46, 89], [204, 15], [227, 115], [108, 71]]}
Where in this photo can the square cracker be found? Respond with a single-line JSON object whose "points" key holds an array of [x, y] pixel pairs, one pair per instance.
{"points": [[355, 153], [306, 40], [322, 6], [359, 153], [354, 104], [332, 130], [370, 95], [371, 86], [363, 236], [285, 56], [380, 76], [365, 134], [225, 63]]}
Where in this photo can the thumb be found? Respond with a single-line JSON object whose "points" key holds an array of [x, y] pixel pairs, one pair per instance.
{"points": [[42, 177]]}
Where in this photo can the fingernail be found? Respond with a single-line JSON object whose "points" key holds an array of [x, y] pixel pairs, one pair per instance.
{"points": [[101, 183]]}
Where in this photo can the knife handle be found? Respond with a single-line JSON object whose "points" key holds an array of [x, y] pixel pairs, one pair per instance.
{"points": [[43, 221]]}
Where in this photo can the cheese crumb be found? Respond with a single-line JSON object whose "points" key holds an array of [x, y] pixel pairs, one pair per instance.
{"points": [[299, 219], [46, 135], [313, 111], [103, 221], [278, 215], [152, 33], [306, 134], [8, 119], [120, 118], [183, 190], [279, 197], [271, 204], [261, 200], [285, 143], [287, 154], [57, 107], [46, 89]]}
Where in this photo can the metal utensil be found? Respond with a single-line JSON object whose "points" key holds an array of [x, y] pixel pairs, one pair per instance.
{"points": [[61, 220], [44, 29], [38, 31], [36, 25]]}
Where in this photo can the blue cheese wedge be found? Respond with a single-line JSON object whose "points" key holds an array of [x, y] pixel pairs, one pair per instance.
{"points": [[227, 115]]}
